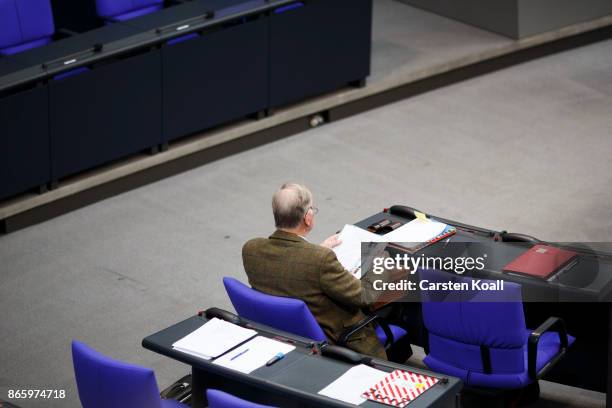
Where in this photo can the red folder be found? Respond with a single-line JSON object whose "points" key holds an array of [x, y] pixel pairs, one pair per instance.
{"points": [[540, 261]]}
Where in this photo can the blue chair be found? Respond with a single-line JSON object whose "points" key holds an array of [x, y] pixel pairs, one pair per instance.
{"points": [[25, 24], [293, 316], [220, 399], [103, 382], [112, 11], [480, 336]]}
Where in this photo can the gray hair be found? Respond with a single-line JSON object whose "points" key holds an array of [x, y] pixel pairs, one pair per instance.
{"points": [[289, 204]]}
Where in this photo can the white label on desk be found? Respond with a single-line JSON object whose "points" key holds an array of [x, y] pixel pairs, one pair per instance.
{"points": [[350, 385]]}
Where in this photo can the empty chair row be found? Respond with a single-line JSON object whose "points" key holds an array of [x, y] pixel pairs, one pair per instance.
{"points": [[27, 24]]}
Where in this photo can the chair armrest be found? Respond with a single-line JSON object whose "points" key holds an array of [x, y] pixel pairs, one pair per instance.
{"points": [[516, 237], [346, 335], [534, 339]]}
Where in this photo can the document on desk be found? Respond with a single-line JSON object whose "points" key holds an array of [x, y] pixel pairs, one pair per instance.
{"points": [[253, 354], [350, 386], [414, 232], [349, 251], [214, 338]]}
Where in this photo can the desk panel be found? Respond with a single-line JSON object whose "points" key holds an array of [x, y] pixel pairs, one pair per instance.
{"points": [[319, 47], [24, 149], [204, 85], [214, 76], [104, 114]]}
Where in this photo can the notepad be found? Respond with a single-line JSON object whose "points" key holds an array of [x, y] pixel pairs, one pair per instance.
{"points": [[411, 236], [349, 386], [253, 354], [399, 388], [214, 338]]}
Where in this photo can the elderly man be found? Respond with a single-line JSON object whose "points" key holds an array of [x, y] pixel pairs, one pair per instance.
{"points": [[286, 264]]}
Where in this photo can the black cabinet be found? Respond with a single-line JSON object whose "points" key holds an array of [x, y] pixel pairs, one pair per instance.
{"points": [[318, 47], [215, 78], [106, 113], [24, 144]]}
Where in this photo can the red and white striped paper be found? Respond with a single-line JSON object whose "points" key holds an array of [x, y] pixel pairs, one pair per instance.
{"points": [[399, 388]]}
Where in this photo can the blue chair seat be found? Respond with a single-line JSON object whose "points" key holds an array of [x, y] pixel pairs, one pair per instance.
{"points": [[397, 332], [136, 13], [481, 337], [548, 346], [25, 46], [220, 399], [122, 10], [25, 25], [172, 404], [103, 382], [287, 314]]}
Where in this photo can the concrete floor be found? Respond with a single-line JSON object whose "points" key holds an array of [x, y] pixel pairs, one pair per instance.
{"points": [[525, 149]]}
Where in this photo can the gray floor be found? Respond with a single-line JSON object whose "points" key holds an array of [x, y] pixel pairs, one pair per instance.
{"points": [[525, 149]]}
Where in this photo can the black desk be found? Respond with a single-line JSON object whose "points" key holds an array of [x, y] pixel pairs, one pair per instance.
{"points": [[581, 297], [24, 155], [292, 382], [144, 87], [218, 75], [108, 112]]}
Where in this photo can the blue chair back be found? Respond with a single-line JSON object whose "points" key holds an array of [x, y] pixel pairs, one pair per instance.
{"points": [[220, 399], [25, 24], [460, 322], [103, 382], [121, 10], [287, 314]]}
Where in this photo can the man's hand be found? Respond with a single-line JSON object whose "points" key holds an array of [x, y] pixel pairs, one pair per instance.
{"points": [[331, 242]]}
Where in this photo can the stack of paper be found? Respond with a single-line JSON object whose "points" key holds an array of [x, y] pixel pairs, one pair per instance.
{"points": [[213, 339], [253, 354], [416, 231], [349, 386]]}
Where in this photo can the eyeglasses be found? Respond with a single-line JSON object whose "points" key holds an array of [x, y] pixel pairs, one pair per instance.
{"points": [[315, 210]]}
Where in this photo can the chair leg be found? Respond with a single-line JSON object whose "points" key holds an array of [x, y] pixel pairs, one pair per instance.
{"points": [[400, 351], [529, 395]]}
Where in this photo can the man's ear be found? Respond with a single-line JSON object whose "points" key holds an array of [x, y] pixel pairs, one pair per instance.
{"points": [[308, 218]]}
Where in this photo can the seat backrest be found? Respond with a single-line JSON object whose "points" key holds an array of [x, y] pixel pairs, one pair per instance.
{"points": [[103, 382], [23, 21], [461, 323], [287, 314], [220, 399], [111, 8]]}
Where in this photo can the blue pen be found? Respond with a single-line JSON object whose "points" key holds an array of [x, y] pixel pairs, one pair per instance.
{"points": [[239, 354], [277, 357]]}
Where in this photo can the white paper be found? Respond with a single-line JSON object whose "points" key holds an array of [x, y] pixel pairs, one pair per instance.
{"points": [[416, 230], [214, 338], [259, 351], [350, 385], [349, 251]]}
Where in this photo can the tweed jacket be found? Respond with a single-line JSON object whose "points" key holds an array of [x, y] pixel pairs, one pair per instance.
{"points": [[287, 265]]}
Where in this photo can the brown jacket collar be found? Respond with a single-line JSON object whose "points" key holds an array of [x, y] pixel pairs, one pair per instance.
{"points": [[287, 236]]}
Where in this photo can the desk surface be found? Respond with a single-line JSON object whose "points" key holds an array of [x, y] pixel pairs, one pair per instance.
{"points": [[8, 66], [590, 280], [299, 375], [74, 44]]}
